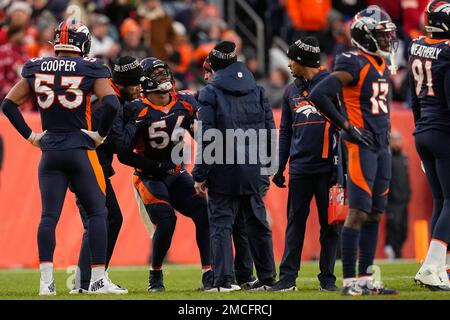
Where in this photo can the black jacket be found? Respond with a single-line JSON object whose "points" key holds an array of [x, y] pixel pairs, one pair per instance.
{"points": [[400, 188], [233, 100]]}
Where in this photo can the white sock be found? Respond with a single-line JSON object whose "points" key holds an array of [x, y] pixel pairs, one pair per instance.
{"points": [[46, 269], [206, 270], [348, 281], [97, 272], [436, 254]]}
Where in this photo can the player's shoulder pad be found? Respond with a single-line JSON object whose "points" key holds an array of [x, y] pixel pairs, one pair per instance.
{"points": [[32, 66], [95, 68], [188, 101], [347, 59]]}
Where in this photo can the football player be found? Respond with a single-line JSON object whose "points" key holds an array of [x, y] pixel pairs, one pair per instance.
{"points": [[429, 75], [63, 86], [166, 187], [361, 78]]}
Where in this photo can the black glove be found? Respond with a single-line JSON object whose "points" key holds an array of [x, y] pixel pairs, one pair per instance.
{"points": [[279, 180], [359, 135]]}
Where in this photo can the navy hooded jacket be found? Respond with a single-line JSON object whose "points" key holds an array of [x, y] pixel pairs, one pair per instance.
{"points": [[233, 100]]}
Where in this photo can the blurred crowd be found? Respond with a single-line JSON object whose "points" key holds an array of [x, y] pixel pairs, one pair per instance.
{"points": [[183, 32]]}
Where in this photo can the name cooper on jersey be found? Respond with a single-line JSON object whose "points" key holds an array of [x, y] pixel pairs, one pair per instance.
{"points": [[57, 65]]}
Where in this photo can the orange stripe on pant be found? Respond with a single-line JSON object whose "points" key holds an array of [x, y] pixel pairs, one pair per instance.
{"points": [[354, 167], [146, 196], [326, 141], [93, 159]]}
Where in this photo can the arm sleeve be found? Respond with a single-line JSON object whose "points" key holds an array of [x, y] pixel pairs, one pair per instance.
{"points": [[323, 96], [135, 160], [206, 115], [285, 132], [11, 111], [269, 124], [111, 105]]}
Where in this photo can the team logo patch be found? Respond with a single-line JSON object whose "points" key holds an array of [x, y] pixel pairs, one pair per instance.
{"points": [[306, 108]]}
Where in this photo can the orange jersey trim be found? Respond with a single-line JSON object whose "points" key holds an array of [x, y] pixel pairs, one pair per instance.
{"points": [[146, 196], [88, 112], [188, 106], [114, 87], [385, 193], [354, 167], [433, 41], [326, 141], [310, 122], [352, 96], [98, 171], [160, 108], [373, 62]]}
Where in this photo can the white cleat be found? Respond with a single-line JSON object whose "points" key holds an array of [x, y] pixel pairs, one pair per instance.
{"points": [[47, 288], [429, 278], [103, 286], [230, 288], [443, 275]]}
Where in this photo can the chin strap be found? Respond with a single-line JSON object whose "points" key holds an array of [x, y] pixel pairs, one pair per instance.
{"points": [[393, 67]]}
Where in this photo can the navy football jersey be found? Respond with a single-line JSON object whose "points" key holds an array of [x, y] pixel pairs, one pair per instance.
{"points": [[63, 87], [366, 98], [428, 63], [157, 140]]}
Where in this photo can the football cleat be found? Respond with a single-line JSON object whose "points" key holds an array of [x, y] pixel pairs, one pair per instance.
{"points": [[443, 275], [248, 284], [103, 285], [354, 289], [263, 285], [328, 287], [376, 288], [283, 286], [116, 288], [226, 287], [156, 283], [207, 280], [47, 288], [429, 278]]}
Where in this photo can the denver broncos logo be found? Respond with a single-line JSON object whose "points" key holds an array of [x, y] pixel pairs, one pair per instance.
{"points": [[306, 108]]}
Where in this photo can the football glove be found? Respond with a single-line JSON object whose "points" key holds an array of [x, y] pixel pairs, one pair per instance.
{"points": [[35, 138], [359, 135], [279, 180], [95, 136]]}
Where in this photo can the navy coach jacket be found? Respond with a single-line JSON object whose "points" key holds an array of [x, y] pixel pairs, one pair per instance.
{"points": [[233, 100], [306, 138]]}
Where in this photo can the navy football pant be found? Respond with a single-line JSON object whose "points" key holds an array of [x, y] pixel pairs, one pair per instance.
{"points": [[301, 191], [113, 222], [79, 168], [161, 198], [222, 210], [243, 262], [435, 155]]}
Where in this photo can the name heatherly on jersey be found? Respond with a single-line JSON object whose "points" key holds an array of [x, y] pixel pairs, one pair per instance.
{"points": [[425, 52]]}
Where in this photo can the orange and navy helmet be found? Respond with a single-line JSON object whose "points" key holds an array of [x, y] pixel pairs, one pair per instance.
{"points": [[437, 18], [72, 36]]}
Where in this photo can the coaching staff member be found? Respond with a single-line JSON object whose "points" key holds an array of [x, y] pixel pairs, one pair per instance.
{"points": [[306, 139], [125, 82], [232, 100]]}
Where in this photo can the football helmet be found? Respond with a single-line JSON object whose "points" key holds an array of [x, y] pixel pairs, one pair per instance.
{"points": [[157, 76], [72, 36], [437, 18], [373, 32]]}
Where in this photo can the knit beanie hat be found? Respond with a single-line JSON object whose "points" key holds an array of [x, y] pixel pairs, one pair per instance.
{"points": [[127, 71], [305, 51], [223, 55]]}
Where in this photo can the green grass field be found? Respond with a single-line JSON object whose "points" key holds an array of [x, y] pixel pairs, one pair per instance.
{"points": [[182, 283]]}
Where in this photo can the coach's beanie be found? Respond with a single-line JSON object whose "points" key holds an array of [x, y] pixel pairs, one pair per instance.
{"points": [[223, 55], [127, 71], [305, 51]]}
